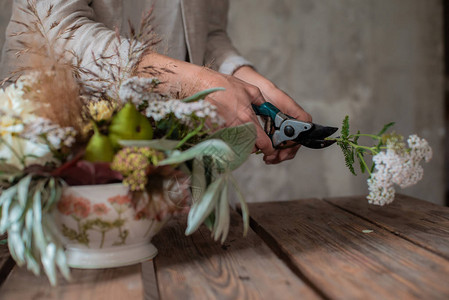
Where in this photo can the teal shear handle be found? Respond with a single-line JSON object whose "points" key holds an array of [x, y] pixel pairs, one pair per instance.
{"points": [[282, 128], [266, 109]]}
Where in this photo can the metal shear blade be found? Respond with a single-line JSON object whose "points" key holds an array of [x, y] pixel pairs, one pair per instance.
{"points": [[315, 138]]}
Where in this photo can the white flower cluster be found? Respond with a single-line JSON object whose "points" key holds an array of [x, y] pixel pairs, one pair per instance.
{"points": [[397, 165], [55, 135], [139, 90], [183, 111]]}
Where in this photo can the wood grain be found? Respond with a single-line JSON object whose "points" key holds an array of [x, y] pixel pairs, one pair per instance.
{"points": [[6, 261], [105, 284], [421, 222], [348, 257], [196, 267]]}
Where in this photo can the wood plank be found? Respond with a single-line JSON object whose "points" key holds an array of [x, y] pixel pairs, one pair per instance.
{"points": [[196, 267], [149, 281], [104, 284], [421, 222], [334, 250], [6, 261]]}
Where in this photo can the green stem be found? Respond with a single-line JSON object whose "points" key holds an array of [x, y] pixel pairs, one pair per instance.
{"points": [[191, 134], [355, 146], [373, 136], [364, 163], [170, 131]]}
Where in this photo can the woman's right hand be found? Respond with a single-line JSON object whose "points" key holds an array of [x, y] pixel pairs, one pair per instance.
{"points": [[233, 104]]}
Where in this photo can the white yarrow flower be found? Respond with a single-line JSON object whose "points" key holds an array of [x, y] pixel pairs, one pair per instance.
{"points": [[138, 89], [397, 165]]}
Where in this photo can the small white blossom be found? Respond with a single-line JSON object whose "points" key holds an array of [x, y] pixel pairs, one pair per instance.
{"points": [[397, 165], [138, 90], [55, 135], [183, 111]]}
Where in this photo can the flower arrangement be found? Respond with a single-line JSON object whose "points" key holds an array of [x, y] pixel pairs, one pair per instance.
{"points": [[63, 125], [393, 161]]}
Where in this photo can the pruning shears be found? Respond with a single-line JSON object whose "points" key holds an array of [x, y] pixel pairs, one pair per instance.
{"points": [[285, 131]]}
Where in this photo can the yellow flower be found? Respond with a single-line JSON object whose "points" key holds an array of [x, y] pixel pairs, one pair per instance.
{"points": [[100, 110]]}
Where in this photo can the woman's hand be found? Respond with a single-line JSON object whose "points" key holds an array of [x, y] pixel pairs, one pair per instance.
{"points": [[281, 100], [233, 104]]}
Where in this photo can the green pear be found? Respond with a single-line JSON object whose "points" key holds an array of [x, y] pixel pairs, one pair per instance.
{"points": [[129, 124], [99, 148]]}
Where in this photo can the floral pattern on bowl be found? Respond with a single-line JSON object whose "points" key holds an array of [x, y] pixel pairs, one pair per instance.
{"points": [[97, 218]]}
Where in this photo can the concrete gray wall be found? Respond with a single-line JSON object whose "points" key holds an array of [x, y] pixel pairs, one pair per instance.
{"points": [[376, 61]]}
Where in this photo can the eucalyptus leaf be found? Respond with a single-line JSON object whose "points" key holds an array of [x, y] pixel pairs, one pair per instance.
{"points": [[53, 194], [223, 217], [210, 221], [16, 246], [198, 181], [202, 209], [8, 195], [32, 263], [29, 222], [159, 144], [202, 94], [215, 148], [61, 261], [243, 207], [23, 188], [4, 221], [49, 263], [241, 139], [14, 214]]}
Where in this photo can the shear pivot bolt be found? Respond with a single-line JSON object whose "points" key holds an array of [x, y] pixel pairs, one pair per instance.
{"points": [[289, 131]]}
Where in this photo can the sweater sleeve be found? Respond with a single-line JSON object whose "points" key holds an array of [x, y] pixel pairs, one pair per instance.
{"points": [[220, 53], [89, 38]]}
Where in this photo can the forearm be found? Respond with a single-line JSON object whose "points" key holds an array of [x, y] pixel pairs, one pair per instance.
{"points": [[67, 26], [178, 78]]}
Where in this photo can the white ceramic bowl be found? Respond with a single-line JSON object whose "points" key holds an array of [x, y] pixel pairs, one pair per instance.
{"points": [[101, 227]]}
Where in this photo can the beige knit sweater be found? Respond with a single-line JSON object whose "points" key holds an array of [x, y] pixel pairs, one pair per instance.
{"points": [[203, 26]]}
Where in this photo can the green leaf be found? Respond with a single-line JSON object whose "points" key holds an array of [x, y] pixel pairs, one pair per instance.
{"points": [[32, 263], [241, 139], [4, 221], [8, 195], [16, 245], [159, 144], [202, 209], [210, 221], [215, 148], [348, 154], [198, 181], [243, 206], [345, 128], [61, 261], [202, 94], [360, 156], [385, 128], [222, 220], [356, 139], [23, 188], [49, 262], [54, 188]]}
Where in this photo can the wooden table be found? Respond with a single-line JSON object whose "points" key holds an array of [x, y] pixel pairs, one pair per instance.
{"points": [[338, 248]]}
